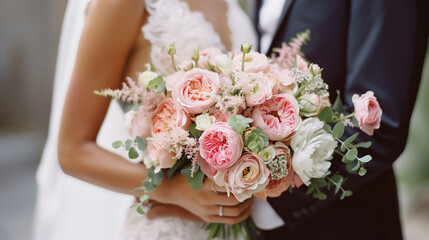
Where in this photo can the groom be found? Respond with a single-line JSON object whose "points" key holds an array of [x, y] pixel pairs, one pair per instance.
{"points": [[362, 45]]}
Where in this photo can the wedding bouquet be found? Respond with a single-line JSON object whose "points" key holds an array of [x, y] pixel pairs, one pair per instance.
{"points": [[255, 125]]}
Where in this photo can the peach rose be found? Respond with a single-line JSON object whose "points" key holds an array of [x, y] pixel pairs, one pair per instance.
{"points": [[160, 156], [277, 117], [367, 112], [208, 56], [248, 176], [219, 115], [254, 62], [172, 80], [262, 90], [197, 90], [220, 146], [169, 115]]}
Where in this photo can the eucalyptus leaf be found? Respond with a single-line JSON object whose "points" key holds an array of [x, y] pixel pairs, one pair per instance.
{"points": [[239, 123], [326, 114], [338, 130], [351, 138], [310, 189], [356, 167], [362, 171], [132, 153], [195, 180], [117, 144], [327, 128], [141, 144], [148, 186], [156, 179], [345, 159], [177, 165], [140, 210], [355, 122], [128, 144], [364, 144], [365, 159], [322, 196], [144, 198], [351, 154]]}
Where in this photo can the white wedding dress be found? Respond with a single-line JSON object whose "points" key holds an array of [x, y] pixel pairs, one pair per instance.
{"points": [[70, 209]]}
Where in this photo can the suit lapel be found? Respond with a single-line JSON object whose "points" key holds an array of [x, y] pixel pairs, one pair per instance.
{"points": [[282, 17]]}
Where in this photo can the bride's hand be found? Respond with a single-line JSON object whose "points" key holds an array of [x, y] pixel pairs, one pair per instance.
{"points": [[205, 203]]}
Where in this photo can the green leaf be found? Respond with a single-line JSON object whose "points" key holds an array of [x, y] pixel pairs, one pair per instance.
{"points": [[352, 167], [310, 189], [156, 179], [365, 159], [117, 144], [148, 186], [338, 130], [322, 196], [326, 114], [194, 132], [144, 198], [141, 144], [364, 144], [343, 147], [338, 104], [351, 139], [177, 165], [132, 153], [140, 210], [256, 140], [239, 123], [128, 144], [351, 154], [355, 122], [355, 168], [327, 128], [362, 171], [345, 194], [195, 181], [157, 84], [214, 228]]}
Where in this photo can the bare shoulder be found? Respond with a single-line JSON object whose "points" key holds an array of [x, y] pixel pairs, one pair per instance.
{"points": [[122, 8]]}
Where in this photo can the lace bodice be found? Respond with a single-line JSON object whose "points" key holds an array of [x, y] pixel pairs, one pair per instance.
{"points": [[172, 21]]}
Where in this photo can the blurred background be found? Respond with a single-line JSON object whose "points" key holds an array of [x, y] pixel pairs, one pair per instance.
{"points": [[29, 36]]}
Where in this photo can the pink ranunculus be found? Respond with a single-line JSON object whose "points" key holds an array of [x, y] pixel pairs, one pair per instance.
{"points": [[247, 177], [207, 56], [219, 115], [220, 146], [254, 62], [168, 116], [160, 156], [367, 112], [262, 90], [172, 80], [277, 117], [197, 90]]}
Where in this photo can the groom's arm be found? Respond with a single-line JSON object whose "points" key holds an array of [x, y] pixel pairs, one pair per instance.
{"points": [[386, 45]]}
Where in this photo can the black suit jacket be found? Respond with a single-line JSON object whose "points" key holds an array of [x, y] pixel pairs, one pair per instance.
{"points": [[362, 45]]}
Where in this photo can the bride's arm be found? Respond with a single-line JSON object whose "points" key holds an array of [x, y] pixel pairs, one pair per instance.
{"points": [[110, 30]]}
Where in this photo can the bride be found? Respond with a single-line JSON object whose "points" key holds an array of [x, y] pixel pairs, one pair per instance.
{"points": [[103, 42]]}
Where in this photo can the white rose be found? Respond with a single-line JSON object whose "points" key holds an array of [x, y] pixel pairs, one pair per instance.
{"points": [[313, 148], [224, 63], [146, 77], [204, 121]]}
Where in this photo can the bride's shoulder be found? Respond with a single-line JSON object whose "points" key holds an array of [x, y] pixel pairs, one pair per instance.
{"points": [[116, 6]]}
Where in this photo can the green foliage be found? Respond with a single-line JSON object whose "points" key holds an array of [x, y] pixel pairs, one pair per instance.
{"points": [[195, 179], [128, 144], [326, 115], [256, 140], [351, 154], [338, 130], [338, 104], [178, 165], [364, 144], [194, 131], [157, 84], [141, 144], [117, 144], [132, 153], [239, 123]]}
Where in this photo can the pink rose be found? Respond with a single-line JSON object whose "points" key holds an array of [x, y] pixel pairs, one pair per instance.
{"points": [[169, 115], [254, 62], [220, 146], [172, 80], [277, 117], [159, 155], [141, 124], [247, 177], [262, 90], [367, 112], [207, 56], [208, 170], [197, 90]]}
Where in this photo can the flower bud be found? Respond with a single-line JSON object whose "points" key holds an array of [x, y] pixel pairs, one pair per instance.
{"points": [[204, 121], [195, 54], [246, 47], [171, 49]]}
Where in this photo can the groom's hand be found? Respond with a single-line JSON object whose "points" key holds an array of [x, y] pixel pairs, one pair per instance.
{"points": [[204, 204]]}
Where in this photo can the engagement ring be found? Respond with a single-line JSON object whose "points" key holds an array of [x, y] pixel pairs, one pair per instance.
{"points": [[220, 211]]}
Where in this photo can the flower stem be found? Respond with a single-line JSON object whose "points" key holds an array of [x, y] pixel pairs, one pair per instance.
{"points": [[342, 118], [242, 62], [174, 64], [300, 89]]}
